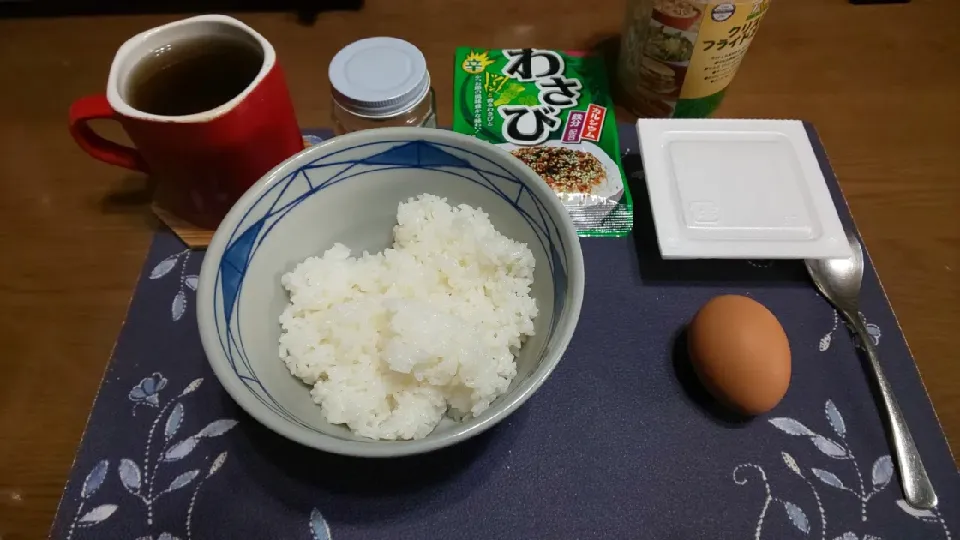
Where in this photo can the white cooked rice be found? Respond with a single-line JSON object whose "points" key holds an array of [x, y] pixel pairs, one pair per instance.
{"points": [[390, 341]]}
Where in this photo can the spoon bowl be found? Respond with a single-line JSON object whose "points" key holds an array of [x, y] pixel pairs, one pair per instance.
{"points": [[839, 279]]}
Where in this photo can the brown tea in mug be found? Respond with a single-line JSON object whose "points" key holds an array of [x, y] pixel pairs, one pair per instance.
{"points": [[193, 75]]}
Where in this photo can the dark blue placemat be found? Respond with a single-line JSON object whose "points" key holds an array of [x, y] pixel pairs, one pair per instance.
{"points": [[619, 443]]}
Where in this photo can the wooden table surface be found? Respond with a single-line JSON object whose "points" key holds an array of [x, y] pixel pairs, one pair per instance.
{"points": [[880, 83]]}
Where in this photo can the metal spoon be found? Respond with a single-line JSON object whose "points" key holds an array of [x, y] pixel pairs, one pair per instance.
{"points": [[839, 280]]}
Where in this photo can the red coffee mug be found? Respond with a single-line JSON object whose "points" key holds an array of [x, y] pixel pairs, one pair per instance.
{"points": [[202, 162]]}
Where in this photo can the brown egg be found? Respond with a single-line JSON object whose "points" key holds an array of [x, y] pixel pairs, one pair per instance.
{"points": [[740, 353]]}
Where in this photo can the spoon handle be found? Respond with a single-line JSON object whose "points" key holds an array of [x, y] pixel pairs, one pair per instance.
{"points": [[917, 489]]}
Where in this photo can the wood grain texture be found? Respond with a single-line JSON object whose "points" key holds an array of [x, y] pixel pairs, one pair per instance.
{"points": [[879, 82]]}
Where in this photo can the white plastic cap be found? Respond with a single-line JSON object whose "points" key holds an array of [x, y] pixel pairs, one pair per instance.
{"points": [[379, 77]]}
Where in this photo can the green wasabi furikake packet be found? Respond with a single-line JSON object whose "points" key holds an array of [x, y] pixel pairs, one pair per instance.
{"points": [[553, 111]]}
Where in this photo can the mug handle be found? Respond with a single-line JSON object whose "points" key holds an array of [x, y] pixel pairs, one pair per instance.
{"points": [[97, 107]]}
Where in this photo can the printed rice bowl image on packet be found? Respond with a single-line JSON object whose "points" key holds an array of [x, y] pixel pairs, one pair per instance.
{"points": [[553, 111]]}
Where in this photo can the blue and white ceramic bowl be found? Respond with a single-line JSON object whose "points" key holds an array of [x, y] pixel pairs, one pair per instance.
{"points": [[347, 190]]}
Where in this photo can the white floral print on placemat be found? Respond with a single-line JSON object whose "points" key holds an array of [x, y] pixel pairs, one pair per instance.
{"points": [[187, 281], [927, 516], [838, 449], [827, 339], [140, 479], [319, 530], [310, 140], [89, 488]]}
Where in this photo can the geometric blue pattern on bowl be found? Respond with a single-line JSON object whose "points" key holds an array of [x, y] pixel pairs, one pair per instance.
{"points": [[297, 186]]}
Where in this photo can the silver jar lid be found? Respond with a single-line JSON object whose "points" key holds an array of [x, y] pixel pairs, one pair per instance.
{"points": [[379, 77]]}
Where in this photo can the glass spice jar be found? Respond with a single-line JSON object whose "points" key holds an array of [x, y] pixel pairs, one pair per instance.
{"points": [[381, 82]]}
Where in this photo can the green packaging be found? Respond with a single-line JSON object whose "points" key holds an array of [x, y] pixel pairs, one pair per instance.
{"points": [[552, 110]]}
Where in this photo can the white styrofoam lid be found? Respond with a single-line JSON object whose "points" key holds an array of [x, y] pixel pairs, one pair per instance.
{"points": [[738, 189], [379, 76]]}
